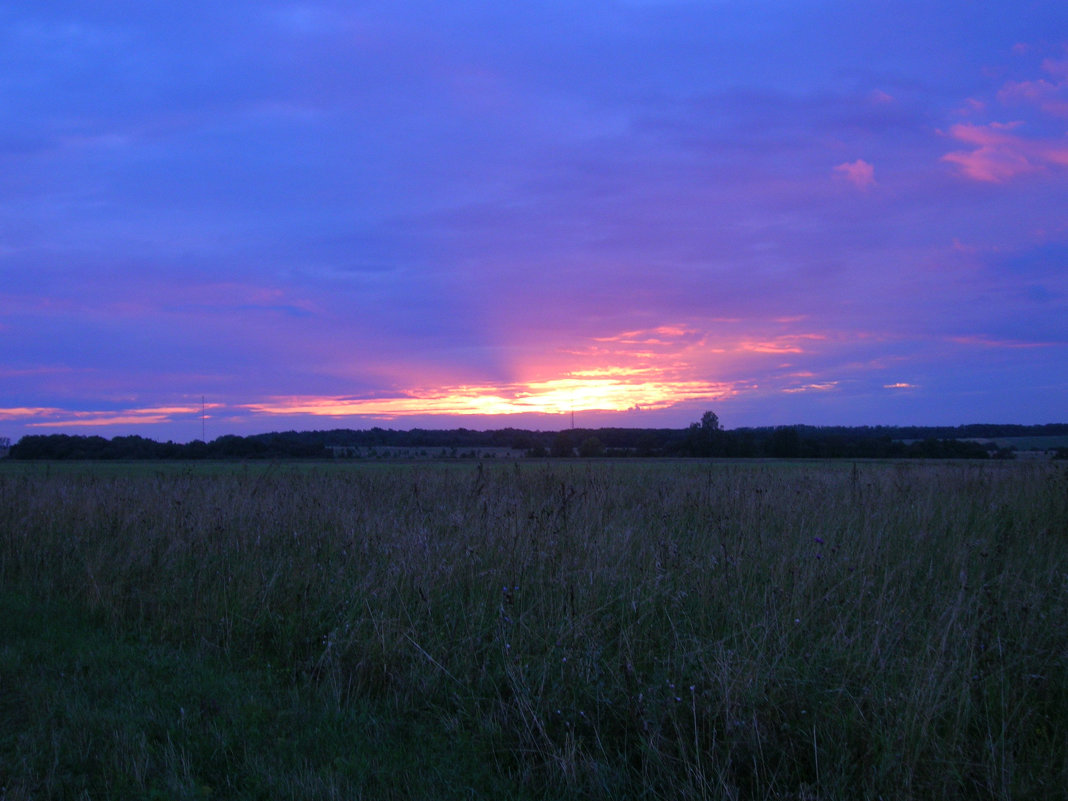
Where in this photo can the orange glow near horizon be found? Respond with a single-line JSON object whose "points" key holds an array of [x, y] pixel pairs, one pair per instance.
{"points": [[558, 396], [645, 369]]}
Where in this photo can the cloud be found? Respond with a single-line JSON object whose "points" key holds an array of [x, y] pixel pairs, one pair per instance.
{"points": [[787, 343], [557, 396], [826, 386], [51, 417], [1058, 69], [989, 342], [1000, 151], [859, 173], [1000, 155], [1049, 96], [972, 105], [661, 335], [997, 155], [23, 412]]}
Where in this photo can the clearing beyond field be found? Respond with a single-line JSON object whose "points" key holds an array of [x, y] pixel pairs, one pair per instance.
{"points": [[539, 630]]}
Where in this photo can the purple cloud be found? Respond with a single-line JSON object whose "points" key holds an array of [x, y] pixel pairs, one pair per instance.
{"points": [[859, 173]]}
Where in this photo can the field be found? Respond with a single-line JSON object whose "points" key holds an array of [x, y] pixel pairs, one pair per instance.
{"points": [[534, 630]]}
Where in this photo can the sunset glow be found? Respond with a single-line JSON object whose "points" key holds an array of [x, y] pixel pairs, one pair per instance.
{"points": [[486, 214], [549, 397]]}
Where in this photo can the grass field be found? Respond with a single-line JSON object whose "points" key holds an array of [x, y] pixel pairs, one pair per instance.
{"points": [[606, 629]]}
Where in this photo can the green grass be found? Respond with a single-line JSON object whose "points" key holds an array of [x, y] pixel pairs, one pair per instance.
{"points": [[87, 715], [585, 630]]}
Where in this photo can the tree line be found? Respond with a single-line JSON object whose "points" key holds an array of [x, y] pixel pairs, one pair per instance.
{"points": [[701, 439]]}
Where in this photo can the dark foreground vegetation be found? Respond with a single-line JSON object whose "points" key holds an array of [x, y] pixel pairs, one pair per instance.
{"points": [[601, 630], [702, 439]]}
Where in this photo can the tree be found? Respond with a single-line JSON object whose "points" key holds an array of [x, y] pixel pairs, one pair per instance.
{"points": [[647, 444], [562, 445], [785, 442], [705, 438], [591, 446]]}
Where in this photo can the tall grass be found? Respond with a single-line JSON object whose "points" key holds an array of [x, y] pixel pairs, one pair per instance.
{"points": [[614, 629]]}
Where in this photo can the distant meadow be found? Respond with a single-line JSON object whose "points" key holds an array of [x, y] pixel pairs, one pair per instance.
{"points": [[535, 629]]}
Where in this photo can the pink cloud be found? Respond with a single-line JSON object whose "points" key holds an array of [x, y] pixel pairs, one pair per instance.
{"points": [[988, 342], [972, 105], [1058, 69], [985, 135], [825, 386], [1000, 155], [1000, 151], [1049, 96], [20, 412], [52, 417], [859, 173], [786, 343], [662, 335]]}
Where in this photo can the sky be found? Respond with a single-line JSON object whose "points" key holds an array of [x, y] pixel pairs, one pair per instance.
{"points": [[241, 217]]}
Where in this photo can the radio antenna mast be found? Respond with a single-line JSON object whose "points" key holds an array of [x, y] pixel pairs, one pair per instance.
{"points": [[203, 420]]}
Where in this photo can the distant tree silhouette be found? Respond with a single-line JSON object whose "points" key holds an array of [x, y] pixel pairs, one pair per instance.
{"points": [[785, 443], [591, 446], [563, 445], [704, 438]]}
